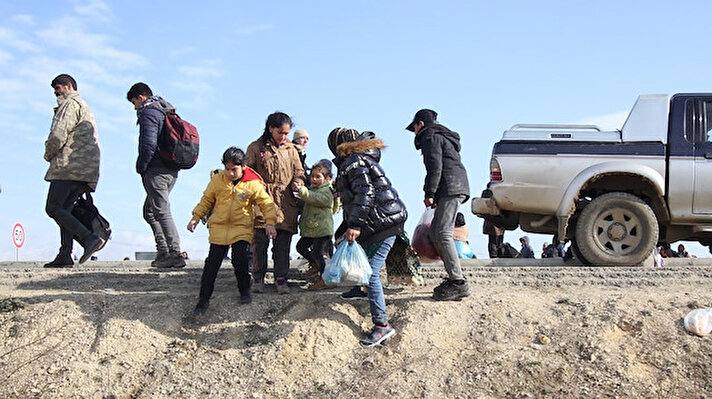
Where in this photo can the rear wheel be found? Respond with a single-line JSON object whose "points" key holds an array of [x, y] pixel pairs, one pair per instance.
{"points": [[616, 229]]}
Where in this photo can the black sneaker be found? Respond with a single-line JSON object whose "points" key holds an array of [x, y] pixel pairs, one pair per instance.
{"points": [[172, 260], [245, 299], [446, 282], [91, 245], [354, 293], [160, 257], [378, 334], [201, 308], [178, 262], [451, 291]]}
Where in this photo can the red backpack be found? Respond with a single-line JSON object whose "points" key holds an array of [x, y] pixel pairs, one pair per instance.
{"points": [[180, 143]]}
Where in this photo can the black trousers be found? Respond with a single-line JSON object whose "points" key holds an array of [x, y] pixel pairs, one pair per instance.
{"points": [[280, 253], [312, 249], [494, 242], [240, 262], [60, 202]]}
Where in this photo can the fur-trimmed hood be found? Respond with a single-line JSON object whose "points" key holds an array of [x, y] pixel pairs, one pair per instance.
{"points": [[370, 202], [359, 146]]}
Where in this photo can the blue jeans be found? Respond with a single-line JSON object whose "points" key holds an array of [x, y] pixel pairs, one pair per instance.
{"points": [[375, 290]]}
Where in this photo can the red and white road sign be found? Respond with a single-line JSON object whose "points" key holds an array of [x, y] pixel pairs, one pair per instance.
{"points": [[18, 235]]}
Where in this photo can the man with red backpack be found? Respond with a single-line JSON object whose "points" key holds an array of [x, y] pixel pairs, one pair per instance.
{"points": [[157, 175]]}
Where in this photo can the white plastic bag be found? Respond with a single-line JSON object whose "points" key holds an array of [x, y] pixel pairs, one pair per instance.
{"points": [[699, 321], [348, 266]]}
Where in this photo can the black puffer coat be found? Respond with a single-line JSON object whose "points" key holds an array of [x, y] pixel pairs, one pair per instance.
{"points": [[446, 175], [370, 203]]}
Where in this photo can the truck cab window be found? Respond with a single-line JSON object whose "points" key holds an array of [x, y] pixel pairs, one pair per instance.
{"points": [[707, 121], [698, 121]]}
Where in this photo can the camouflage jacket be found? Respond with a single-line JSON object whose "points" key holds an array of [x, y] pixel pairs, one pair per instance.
{"points": [[72, 148]]}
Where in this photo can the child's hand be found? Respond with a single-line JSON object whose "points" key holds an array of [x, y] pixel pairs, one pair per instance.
{"points": [[271, 231], [191, 225], [352, 234]]}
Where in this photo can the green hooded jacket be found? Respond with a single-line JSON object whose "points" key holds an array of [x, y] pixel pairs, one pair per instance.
{"points": [[317, 218]]}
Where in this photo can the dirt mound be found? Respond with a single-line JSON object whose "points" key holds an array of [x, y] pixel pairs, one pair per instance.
{"points": [[124, 332]]}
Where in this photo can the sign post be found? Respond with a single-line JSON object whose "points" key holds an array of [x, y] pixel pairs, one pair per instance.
{"points": [[18, 238]]}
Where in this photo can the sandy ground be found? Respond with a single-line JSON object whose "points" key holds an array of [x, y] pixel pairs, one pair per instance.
{"points": [[120, 330]]}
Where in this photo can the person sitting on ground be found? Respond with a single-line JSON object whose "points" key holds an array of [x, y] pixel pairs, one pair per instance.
{"points": [[231, 195], [527, 251], [544, 250], [555, 249], [667, 252], [682, 252], [461, 235]]}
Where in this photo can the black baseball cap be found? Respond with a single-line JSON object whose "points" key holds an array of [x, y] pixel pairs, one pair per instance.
{"points": [[424, 115]]}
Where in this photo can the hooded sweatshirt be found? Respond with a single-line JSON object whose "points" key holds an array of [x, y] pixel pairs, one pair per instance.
{"points": [[151, 117], [446, 175], [317, 218], [527, 251]]}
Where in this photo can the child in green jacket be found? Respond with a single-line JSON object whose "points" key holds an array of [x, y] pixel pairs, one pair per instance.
{"points": [[317, 223]]}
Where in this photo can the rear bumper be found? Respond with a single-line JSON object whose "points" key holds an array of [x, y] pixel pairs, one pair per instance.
{"points": [[487, 209], [485, 206]]}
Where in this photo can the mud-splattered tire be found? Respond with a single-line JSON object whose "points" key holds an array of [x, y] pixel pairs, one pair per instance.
{"points": [[616, 229]]}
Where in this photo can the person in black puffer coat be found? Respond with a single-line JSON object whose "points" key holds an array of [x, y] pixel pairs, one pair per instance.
{"points": [[373, 212], [446, 187]]}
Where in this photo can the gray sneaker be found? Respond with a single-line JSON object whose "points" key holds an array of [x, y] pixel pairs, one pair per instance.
{"points": [[282, 287], [449, 290], [378, 334], [258, 286]]}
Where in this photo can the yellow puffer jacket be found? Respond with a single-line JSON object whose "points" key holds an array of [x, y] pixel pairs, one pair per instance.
{"points": [[232, 219]]}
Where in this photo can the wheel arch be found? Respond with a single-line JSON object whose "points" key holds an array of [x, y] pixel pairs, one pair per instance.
{"points": [[639, 180]]}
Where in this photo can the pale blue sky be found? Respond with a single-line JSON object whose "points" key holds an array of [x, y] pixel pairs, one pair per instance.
{"points": [[226, 65]]}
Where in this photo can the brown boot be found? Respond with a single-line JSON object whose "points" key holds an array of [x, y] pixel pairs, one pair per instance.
{"points": [[311, 273], [319, 284]]}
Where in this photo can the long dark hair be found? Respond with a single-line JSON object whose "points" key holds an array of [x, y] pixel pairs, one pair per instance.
{"points": [[276, 119]]}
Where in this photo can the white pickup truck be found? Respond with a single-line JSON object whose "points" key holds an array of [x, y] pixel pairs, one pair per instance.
{"points": [[614, 194]]}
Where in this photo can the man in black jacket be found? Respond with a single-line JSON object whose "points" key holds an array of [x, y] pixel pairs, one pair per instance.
{"points": [[446, 187]]}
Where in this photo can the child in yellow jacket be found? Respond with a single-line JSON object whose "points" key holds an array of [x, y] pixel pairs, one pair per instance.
{"points": [[230, 195]]}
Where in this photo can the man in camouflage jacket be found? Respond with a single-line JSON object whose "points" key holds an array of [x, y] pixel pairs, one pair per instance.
{"points": [[72, 150]]}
